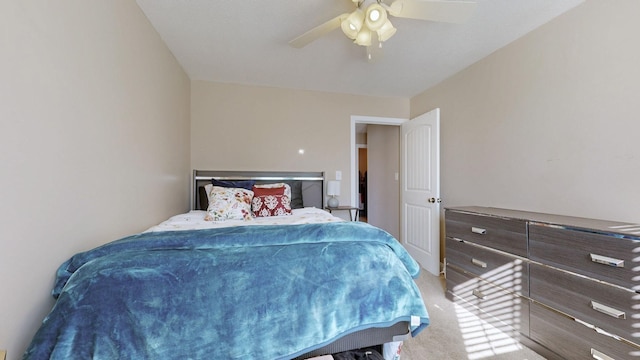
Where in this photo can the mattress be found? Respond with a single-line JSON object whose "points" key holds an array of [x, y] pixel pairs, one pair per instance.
{"points": [[194, 220]]}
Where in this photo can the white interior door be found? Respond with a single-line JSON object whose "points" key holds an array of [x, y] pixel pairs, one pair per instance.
{"points": [[420, 189]]}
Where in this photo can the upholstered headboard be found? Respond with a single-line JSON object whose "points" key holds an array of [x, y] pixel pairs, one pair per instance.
{"points": [[308, 185]]}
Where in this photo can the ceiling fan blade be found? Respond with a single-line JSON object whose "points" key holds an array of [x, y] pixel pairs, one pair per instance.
{"points": [[318, 31], [433, 10]]}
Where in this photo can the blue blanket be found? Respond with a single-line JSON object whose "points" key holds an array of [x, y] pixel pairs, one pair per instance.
{"points": [[255, 292]]}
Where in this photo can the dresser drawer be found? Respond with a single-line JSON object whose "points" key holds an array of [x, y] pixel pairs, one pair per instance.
{"points": [[508, 272], [504, 310], [503, 234], [572, 340], [584, 252], [608, 307]]}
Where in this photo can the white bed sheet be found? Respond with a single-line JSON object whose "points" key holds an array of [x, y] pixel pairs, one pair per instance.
{"points": [[194, 220]]}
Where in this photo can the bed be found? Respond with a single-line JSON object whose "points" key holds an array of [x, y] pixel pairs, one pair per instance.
{"points": [[291, 286]]}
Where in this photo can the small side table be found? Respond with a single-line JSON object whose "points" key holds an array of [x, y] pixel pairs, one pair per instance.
{"points": [[353, 211]]}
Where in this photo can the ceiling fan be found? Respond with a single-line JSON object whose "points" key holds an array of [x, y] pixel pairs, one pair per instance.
{"points": [[369, 23]]}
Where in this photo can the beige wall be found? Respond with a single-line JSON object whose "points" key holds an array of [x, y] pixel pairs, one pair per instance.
{"points": [[550, 122], [94, 142], [235, 127], [95, 126]]}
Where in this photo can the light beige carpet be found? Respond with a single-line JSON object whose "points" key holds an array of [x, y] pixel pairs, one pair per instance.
{"points": [[457, 334]]}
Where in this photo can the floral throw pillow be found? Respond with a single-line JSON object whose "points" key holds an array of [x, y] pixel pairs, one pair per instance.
{"points": [[228, 203], [270, 202]]}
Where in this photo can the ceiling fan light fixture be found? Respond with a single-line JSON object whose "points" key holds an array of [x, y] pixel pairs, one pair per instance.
{"points": [[376, 17], [352, 24], [386, 31], [369, 23], [364, 37]]}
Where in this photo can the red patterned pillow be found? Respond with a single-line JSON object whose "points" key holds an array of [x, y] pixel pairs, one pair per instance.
{"points": [[270, 202]]}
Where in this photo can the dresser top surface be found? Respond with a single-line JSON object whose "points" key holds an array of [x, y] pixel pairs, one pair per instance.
{"points": [[628, 230]]}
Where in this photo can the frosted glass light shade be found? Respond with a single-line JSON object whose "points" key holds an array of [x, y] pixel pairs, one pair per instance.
{"points": [[333, 188], [376, 17], [352, 24], [364, 37], [386, 31]]}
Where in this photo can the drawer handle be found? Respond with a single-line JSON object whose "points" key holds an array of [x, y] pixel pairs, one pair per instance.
{"points": [[477, 293], [608, 310], [478, 263], [598, 355], [478, 230], [607, 260]]}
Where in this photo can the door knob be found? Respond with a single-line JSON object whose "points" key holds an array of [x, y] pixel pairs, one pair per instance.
{"points": [[434, 200]]}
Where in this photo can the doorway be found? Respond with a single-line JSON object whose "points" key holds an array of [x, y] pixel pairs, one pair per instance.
{"points": [[374, 187], [362, 166], [419, 222], [378, 171]]}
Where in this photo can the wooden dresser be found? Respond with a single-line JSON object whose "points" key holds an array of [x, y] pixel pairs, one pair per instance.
{"points": [[568, 287]]}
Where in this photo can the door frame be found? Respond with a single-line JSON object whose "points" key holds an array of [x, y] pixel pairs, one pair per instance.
{"points": [[373, 120]]}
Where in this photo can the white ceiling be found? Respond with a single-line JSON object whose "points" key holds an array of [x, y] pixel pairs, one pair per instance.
{"points": [[246, 42]]}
